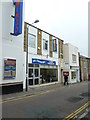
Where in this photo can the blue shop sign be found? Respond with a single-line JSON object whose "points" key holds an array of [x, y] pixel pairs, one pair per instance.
{"points": [[40, 61], [18, 17]]}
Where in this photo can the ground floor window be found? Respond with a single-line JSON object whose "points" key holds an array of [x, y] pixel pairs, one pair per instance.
{"points": [[48, 75], [38, 75], [73, 75]]}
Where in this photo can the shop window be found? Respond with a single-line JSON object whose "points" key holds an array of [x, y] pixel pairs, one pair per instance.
{"points": [[48, 75], [45, 44], [73, 75], [73, 58], [31, 40], [54, 45]]}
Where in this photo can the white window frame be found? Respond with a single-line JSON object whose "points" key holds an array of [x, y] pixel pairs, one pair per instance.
{"points": [[45, 42], [73, 58], [33, 38]]}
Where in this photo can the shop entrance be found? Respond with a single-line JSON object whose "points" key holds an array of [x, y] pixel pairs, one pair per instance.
{"points": [[33, 75]]}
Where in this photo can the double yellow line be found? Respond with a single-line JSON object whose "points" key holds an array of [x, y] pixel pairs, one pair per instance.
{"points": [[72, 115]]}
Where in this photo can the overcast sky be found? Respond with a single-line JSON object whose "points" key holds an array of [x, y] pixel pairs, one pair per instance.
{"points": [[66, 19]]}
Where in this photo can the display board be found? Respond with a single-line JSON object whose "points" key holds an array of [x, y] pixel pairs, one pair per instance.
{"points": [[9, 68]]}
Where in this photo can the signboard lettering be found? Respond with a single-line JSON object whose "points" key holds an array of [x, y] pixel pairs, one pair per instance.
{"points": [[40, 61]]}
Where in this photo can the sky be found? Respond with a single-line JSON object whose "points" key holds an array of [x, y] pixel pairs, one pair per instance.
{"points": [[66, 19]]}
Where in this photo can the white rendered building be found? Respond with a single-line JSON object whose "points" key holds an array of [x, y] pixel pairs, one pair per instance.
{"points": [[71, 62], [45, 57], [11, 50]]}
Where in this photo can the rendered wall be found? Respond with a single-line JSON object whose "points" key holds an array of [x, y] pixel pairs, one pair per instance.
{"points": [[12, 46]]}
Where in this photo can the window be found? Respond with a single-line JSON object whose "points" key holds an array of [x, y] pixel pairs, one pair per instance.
{"points": [[31, 40], [45, 44], [54, 45], [73, 58], [73, 75]]}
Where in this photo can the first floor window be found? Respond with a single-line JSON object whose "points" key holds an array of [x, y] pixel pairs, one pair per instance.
{"points": [[45, 44], [54, 45], [73, 58], [31, 40]]}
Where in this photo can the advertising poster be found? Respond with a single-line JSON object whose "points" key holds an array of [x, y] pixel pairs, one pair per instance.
{"points": [[9, 68]]}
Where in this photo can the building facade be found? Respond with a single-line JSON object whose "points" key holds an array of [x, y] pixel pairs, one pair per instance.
{"points": [[84, 67], [45, 56], [11, 49], [71, 63]]}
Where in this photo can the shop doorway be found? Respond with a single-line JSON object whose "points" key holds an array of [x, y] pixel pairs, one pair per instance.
{"points": [[33, 75]]}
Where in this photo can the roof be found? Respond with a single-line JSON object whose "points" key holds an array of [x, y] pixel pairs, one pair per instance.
{"points": [[43, 31]]}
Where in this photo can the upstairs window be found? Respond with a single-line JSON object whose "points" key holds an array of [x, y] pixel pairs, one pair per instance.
{"points": [[73, 58], [54, 45], [45, 44], [31, 40]]}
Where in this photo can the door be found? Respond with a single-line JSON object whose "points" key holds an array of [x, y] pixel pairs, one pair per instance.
{"points": [[33, 76]]}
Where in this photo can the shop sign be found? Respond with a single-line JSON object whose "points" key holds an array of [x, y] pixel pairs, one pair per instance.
{"points": [[40, 61], [9, 68], [66, 73], [18, 17]]}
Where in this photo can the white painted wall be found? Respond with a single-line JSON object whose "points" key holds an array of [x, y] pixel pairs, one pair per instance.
{"points": [[12, 46], [73, 50], [33, 51], [0, 42], [68, 50]]}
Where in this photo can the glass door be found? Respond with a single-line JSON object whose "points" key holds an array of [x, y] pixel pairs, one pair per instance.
{"points": [[36, 76]]}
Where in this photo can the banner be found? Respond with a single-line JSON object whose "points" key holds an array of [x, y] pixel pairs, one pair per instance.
{"points": [[18, 17]]}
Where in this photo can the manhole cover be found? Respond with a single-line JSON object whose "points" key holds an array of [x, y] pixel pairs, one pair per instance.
{"points": [[75, 99]]}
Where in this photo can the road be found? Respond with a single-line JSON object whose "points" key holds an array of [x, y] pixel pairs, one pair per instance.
{"points": [[57, 103]]}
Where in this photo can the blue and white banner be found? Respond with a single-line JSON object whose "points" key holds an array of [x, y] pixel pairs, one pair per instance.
{"points": [[40, 61]]}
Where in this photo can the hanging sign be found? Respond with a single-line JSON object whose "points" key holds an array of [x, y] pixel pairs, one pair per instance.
{"points": [[18, 17]]}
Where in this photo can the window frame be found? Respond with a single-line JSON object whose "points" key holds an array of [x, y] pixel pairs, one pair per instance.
{"points": [[54, 45], [73, 58], [34, 36], [45, 42]]}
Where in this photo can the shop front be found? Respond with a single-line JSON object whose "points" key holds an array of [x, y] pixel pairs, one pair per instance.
{"points": [[42, 72], [74, 71]]}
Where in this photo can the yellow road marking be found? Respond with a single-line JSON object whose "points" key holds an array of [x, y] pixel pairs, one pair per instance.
{"points": [[72, 115]]}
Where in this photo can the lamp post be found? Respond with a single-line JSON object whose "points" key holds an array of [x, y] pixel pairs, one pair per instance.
{"points": [[36, 21]]}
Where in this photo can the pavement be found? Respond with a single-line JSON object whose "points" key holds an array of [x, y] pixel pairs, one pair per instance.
{"points": [[31, 91], [35, 91]]}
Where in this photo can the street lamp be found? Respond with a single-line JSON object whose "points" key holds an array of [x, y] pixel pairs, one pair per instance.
{"points": [[36, 21]]}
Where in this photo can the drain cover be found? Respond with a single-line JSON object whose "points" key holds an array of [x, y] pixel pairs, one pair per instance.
{"points": [[75, 99]]}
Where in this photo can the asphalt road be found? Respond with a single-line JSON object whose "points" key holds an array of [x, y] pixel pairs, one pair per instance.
{"points": [[57, 103]]}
